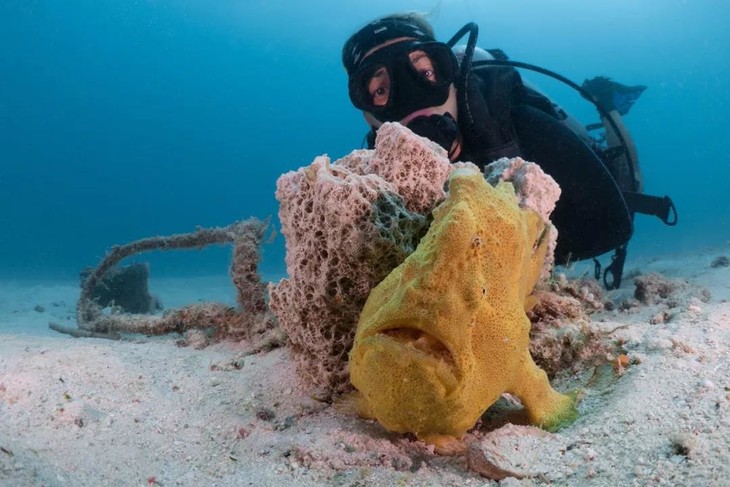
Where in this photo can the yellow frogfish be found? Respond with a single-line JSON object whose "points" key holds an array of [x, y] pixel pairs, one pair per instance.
{"points": [[445, 333]]}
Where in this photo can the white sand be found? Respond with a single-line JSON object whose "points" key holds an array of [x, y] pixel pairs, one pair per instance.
{"points": [[95, 412]]}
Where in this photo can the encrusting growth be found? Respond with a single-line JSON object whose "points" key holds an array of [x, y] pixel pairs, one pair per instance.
{"points": [[249, 319]]}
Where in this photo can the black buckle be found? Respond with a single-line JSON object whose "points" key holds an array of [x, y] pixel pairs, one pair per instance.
{"points": [[671, 212], [615, 269], [596, 269]]}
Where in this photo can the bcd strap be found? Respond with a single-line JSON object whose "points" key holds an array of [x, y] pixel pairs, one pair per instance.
{"points": [[659, 206]]}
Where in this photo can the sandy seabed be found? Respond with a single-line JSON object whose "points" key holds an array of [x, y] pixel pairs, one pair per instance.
{"points": [[145, 412]]}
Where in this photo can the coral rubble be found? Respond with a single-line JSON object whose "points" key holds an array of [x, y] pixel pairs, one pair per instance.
{"points": [[562, 337]]}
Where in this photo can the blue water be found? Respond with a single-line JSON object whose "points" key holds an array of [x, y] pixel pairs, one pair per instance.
{"points": [[123, 119]]}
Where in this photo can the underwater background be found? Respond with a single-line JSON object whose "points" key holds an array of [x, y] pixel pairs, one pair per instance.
{"points": [[123, 119]]}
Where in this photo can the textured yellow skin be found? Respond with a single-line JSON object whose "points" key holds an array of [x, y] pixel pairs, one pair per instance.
{"points": [[445, 334]]}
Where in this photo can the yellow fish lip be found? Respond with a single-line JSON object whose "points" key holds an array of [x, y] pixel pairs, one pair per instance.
{"points": [[413, 336], [384, 348]]}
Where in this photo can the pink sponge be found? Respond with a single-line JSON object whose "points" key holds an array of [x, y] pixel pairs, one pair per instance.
{"points": [[347, 224], [417, 167]]}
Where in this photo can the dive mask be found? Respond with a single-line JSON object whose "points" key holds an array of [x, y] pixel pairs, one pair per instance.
{"points": [[402, 78]]}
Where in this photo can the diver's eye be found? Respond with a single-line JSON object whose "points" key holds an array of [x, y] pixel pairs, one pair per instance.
{"points": [[423, 64], [379, 87], [379, 96], [429, 74]]}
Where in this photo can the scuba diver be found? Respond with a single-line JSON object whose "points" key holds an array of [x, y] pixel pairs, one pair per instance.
{"points": [[474, 103]]}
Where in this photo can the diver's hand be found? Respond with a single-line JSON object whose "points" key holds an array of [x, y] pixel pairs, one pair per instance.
{"points": [[496, 127]]}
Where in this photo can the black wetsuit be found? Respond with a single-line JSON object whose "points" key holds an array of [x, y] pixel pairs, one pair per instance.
{"points": [[500, 117]]}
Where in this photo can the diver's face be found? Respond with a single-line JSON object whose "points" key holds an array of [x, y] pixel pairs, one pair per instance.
{"points": [[448, 107], [379, 88], [379, 84]]}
